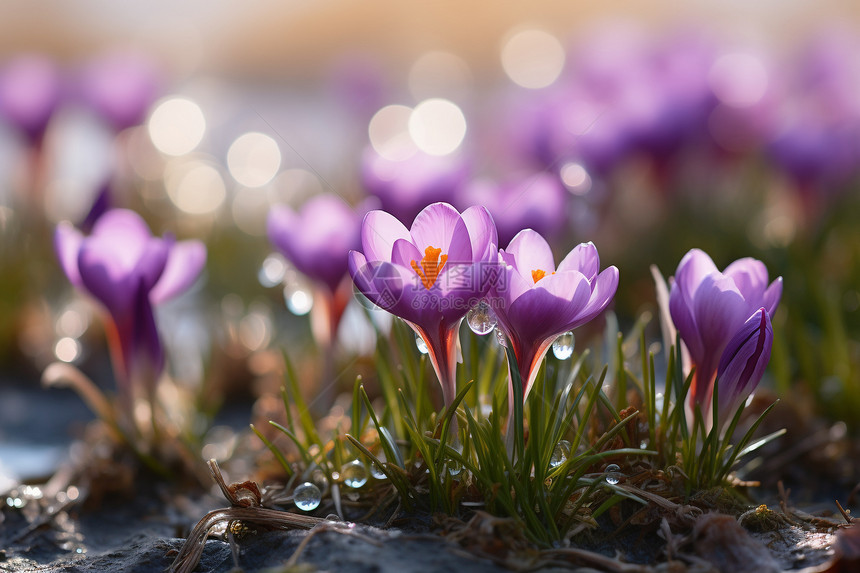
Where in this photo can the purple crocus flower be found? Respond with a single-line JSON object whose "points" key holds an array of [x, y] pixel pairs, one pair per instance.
{"points": [[743, 362], [708, 307], [405, 187], [317, 240], [429, 275], [120, 87], [30, 90], [536, 301], [129, 271], [536, 201]]}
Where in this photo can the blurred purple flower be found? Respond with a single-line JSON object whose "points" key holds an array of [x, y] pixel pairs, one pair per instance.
{"points": [[536, 302], [818, 144], [743, 362], [429, 275], [120, 87], [129, 271], [405, 187], [30, 91], [317, 241], [708, 307], [536, 201]]}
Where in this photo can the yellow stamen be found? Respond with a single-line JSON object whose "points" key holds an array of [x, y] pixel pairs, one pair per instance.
{"points": [[431, 265]]}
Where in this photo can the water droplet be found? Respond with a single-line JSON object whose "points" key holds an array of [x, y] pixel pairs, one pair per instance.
{"points": [[422, 346], [613, 474], [559, 454], [481, 318], [272, 271], [562, 348], [299, 299], [500, 337], [354, 474], [307, 496], [377, 472], [454, 467], [79, 550]]}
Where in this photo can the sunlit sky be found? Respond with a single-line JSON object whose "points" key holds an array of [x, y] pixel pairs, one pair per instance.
{"points": [[272, 38]]}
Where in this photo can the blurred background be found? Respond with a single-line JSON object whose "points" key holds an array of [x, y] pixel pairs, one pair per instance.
{"points": [[649, 128]]}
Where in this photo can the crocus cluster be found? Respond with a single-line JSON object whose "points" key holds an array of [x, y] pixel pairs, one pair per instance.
{"points": [[432, 274], [723, 319], [129, 271]]}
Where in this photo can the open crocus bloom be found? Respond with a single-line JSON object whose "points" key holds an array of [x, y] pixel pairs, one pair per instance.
{"points": [[536, 301], [429, 275], [317, 240], [128, 271], [743, 362], [708, 307]]}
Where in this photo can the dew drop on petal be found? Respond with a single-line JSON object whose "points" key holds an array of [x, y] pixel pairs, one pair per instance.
{"points": [[562, 348], [422, 346], [481, 318], [354, 474], [613, 474], [559, 454], [307, 496], [500, 338]]}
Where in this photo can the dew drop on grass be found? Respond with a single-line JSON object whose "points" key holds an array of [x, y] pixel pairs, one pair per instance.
{"points": [[500, 337], [481, 318], [559, 454], [377, 472], [562, 348], [613, 475], [307, 496], [354, 474], [454, 467], [422, 346]]}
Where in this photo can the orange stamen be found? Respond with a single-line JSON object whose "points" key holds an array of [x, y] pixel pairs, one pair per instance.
{"points": [[538, 274], [431, 265]]}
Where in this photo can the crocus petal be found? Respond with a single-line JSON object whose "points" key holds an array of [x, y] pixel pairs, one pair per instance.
{"points": [[680, 308], [482, 233], [379, 231], [582, 258], [602, 293], [692, 269], [540, 312], [126, 231], [381, 282], [772, 295], [750, 276], [743, 363], [404, 252], [719, 305], [184, 263], [531, 252], [511, 284], [440, 225], [105, 276], [67, 244]]}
